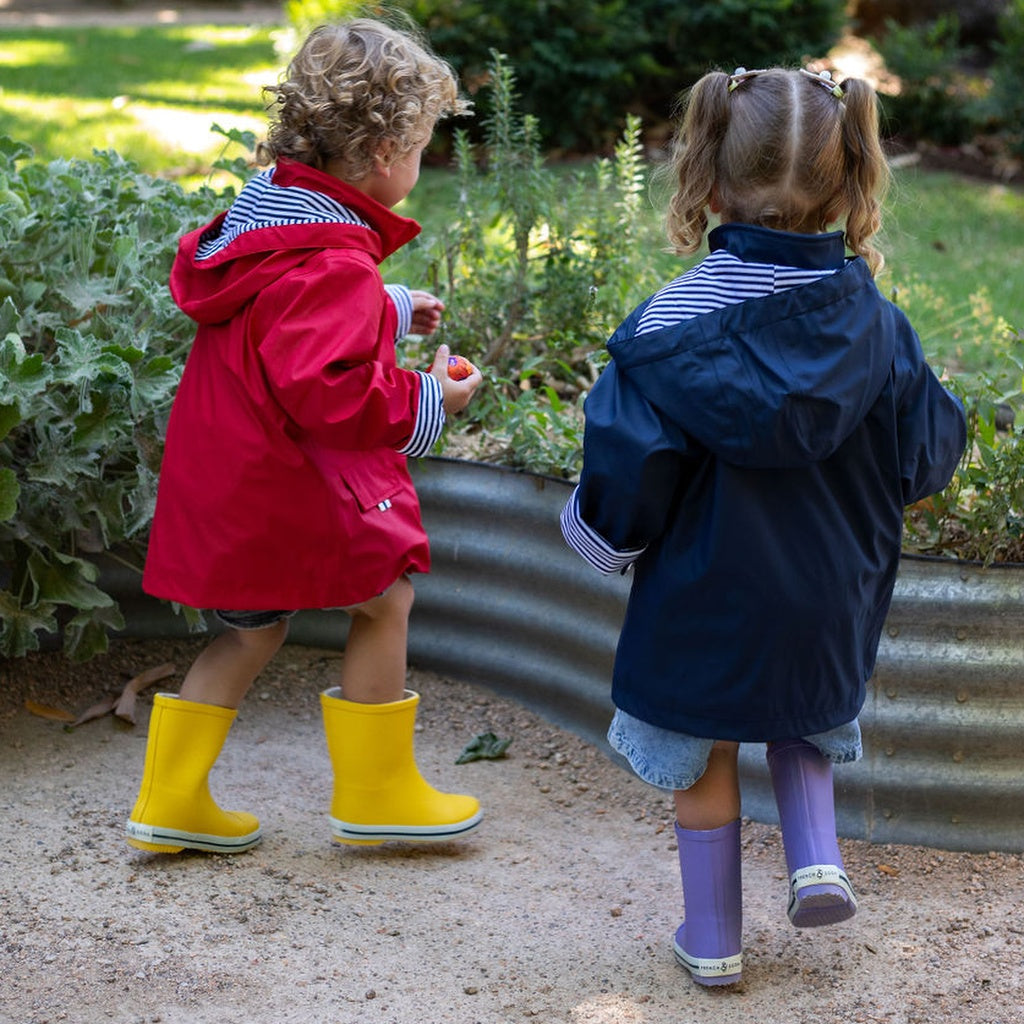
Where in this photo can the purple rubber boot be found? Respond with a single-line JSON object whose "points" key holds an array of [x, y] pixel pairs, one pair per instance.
{"points": [[819, 891], [708, 943]]}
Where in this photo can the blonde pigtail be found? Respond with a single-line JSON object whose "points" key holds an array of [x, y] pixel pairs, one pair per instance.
{"points": [[867, 172], [694, 160]]}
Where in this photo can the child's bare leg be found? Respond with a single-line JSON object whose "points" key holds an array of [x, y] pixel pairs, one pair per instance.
{"points": [[373, 670], [714, 799], [227, 667]]}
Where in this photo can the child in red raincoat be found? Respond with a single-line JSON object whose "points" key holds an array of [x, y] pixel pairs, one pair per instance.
{"points": [[284, 482]]}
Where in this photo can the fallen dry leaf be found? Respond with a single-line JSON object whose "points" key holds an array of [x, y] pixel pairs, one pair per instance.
{"points": [[888, 870], [98, 710], [123, 704], [45, 711], [125, 707]]}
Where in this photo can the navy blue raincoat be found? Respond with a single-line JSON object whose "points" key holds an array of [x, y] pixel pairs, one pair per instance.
{"points": [[752, 465]]}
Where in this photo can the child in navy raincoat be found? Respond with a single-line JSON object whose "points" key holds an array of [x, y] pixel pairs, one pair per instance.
{"points": [[748, 454], [284, 482]]}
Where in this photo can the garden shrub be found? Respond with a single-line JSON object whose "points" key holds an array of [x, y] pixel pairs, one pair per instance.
{"points": [[91, 347], [979, 516], [1006, 102], [536, 266], [583, 65], [533, 267], [934, 101]]}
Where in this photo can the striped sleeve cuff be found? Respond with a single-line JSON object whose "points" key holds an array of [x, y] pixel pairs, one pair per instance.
{"points": [[590, 545], [429, 417], [402, 298]]}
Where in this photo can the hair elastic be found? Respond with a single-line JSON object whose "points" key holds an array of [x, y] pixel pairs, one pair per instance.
{"points": [[823, 78], [741, 75]]}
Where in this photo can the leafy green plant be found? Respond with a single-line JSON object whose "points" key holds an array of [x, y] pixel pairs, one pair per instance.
{"points": [[536, 267], [91, 343], [536, 264], [91, 346], [980, 514]]}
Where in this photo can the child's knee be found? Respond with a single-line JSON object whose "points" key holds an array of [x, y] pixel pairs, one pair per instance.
{"points": [[265, 639], [724, 754], [402, 595], [394, 603]]}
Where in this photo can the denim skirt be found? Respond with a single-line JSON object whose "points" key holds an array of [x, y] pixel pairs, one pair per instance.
{"points": [[675, 760]]}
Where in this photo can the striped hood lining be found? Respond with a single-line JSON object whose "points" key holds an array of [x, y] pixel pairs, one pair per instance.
{"points": [[721, 279], [262, 204]]}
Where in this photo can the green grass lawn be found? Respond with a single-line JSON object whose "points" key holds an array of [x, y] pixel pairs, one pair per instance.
{"points": [[151, 93], [960, 244], [954, 247]]}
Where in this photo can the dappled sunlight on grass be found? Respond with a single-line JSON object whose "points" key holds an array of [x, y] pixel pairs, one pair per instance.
{"points": [[151, 94], [190, 131], [180, 141], [30, 54], [952, 248]]}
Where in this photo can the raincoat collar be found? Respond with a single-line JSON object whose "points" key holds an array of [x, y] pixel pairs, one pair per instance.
{"points": [[754, 244], [394, 230]]}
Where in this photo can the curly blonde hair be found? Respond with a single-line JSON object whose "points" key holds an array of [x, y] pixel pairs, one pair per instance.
{"points": [[353, 87], [776, 149]]}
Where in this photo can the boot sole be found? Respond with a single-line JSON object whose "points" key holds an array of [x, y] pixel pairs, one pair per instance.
{"points": [[820, 895], [351, 834], [724, 970], [170, 840]]}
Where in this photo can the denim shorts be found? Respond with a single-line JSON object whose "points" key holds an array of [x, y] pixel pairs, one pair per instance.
{"points": [[251, 620], [675, 760]]}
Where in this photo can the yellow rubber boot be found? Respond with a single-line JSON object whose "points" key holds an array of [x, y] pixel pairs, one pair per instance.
{"points": [[174, 810], [379, 794]]}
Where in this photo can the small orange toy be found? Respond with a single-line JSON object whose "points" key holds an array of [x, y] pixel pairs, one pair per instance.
{"points": [[459, 368]]}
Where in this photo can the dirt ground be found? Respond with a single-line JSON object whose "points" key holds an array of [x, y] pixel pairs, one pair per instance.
{"points": [[561, 908]]}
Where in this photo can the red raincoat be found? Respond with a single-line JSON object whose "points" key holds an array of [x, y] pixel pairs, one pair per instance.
{"points": [[282, 485]]}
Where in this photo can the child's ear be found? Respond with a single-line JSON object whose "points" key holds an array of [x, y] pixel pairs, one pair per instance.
{"points": [[382, 158], [714, 203]]}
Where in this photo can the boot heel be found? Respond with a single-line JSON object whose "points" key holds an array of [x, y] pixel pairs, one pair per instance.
{"points": [[820, 895], [140, 844]]}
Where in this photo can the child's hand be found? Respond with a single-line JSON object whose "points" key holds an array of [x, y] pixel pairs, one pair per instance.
{"points": [[456, 393], [426, 312]]}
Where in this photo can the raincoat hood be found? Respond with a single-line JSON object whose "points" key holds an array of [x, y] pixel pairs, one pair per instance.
{"points": [[779, 381], [281, 218]]}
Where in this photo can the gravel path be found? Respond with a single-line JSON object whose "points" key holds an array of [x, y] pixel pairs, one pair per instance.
{"points": [[560, 909]]}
